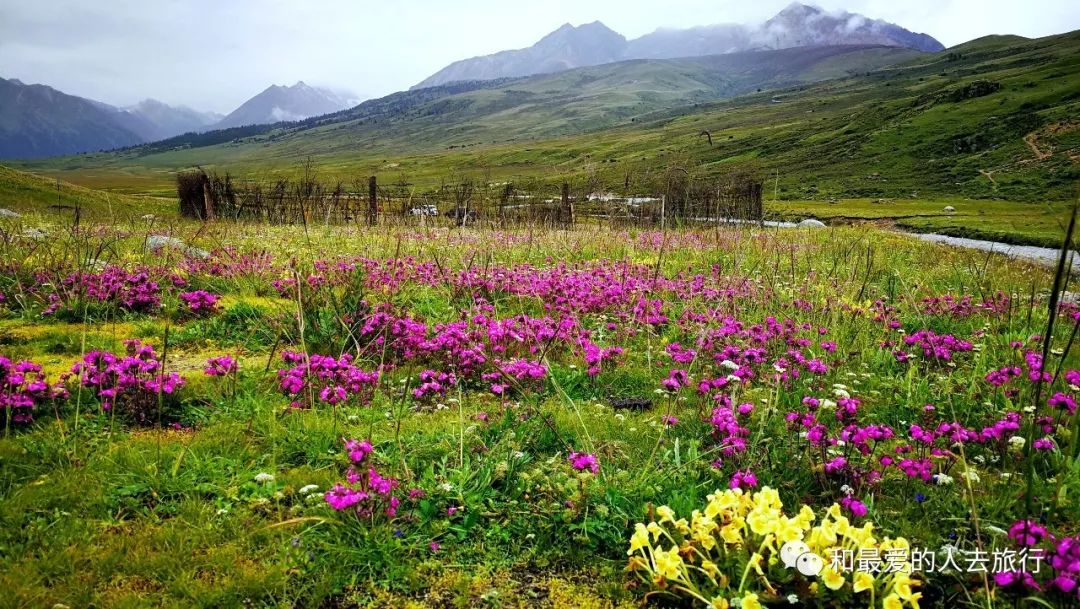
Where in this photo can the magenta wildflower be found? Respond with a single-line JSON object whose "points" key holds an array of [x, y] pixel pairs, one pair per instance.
{"points": [[584, 461]]}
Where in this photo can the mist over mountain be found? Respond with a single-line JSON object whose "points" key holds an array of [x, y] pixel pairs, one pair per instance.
{"points": [[281, 103], [798, 25], [166, 121]]}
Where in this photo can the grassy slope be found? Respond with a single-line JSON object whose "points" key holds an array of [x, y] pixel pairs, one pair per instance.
{"points": [[557, 105], [27, 192]]}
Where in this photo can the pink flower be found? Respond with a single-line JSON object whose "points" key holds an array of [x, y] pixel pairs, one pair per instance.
{"points": [[584, 461]]}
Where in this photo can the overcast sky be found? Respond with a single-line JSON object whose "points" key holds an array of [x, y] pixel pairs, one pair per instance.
{"points": [[215, 54]]}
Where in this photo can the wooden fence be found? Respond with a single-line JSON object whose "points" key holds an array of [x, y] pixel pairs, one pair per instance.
{"points": [[463, 201]]}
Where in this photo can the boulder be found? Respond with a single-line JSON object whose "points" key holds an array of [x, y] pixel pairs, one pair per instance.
{"points": [[948, 209], [7, 213], [811, 223], [158, 242]]}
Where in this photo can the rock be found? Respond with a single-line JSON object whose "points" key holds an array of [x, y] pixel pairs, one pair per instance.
{"points": [[7, 213], [34, 233], [159, 242], [811, 223], [148, 217], [949, 209]]}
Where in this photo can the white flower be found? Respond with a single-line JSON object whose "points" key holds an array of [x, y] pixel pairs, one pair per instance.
{"points": [[971, 475], [826, 404], [943, 479], [263, 477], [446, 487], [308, 489], [1017, 442], [730, 365], [793, 599], [841, 393]]}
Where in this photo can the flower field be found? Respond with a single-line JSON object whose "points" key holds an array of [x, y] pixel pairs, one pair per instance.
{"points": [[346, 417]]}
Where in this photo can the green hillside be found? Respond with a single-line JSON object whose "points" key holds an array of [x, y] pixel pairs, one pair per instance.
{"points": [[471, 115], [28, 193], [993, 118]]}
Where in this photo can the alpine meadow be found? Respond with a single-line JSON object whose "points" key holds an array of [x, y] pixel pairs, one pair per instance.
{"points": [[760, 307]]}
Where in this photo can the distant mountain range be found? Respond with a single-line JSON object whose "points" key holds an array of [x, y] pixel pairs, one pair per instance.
{"points": [[166, 121], [39, 121], [279, 103], [592, 44]]}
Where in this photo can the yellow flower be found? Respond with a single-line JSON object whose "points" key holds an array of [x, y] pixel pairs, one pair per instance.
{"points": [[805, 517], [892, 602], [862, 581], [768, 498], [655, 530], [639, 539], [668, 564], [682, 526], [705, 538], [665, 513], [902, 585], [719, 602], [755, 563], [731, 533], [788, 529], [832, 579], [762, 521], [710, 568], [914, 600], [750, 601]]}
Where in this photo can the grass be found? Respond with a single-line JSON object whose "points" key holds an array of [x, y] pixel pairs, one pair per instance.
{"points": [[1017, 223], [95, 511]]}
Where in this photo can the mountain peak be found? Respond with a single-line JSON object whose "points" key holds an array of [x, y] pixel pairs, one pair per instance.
{"points": [[285, 103], [797, 25], [798, 8]]}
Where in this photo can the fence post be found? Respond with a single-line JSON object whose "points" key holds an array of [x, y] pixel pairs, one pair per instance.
{"points": [[567, 215], [373, 201], [208, 200]]}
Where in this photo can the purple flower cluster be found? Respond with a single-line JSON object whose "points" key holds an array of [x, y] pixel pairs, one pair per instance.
{"points": [[584, 462], [938, 347], [222, 365], [133, 291], [23, 388], [331, 381], [200, 302], [364, 491], [1062, 555], [132, 382], [434, 384]]}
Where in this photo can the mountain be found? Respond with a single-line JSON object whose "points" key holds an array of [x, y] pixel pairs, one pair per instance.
{"points": [[565, 48], [991, 118], [798, 25], [39, 121], [484, 112], [165, 121], [281, 103]]}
